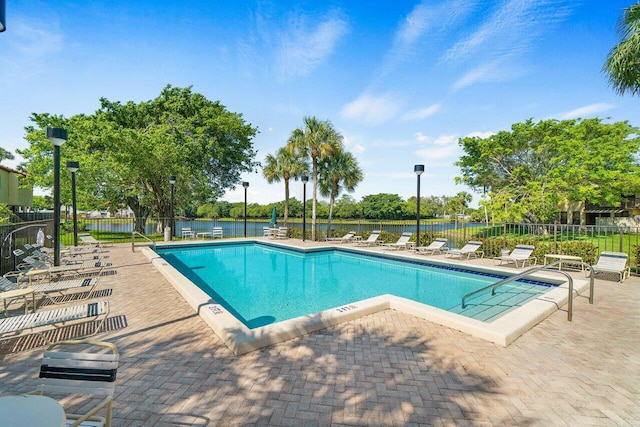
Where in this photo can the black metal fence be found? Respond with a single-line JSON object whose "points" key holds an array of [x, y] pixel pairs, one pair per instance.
{"points": [[587, 241]]}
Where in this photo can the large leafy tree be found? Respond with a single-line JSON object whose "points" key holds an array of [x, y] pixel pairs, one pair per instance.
{"points": [[623, 62], [338, 172], [316, 140], [533, 167], [383, 206], [284, 166], [128, 151]]}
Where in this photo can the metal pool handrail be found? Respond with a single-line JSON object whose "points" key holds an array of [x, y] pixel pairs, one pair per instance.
{"points": [[536, 269], [133, 240]]}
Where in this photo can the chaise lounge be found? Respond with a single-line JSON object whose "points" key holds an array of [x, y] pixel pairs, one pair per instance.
{"points": [[42, 321], [520, 254], [467, 251], [438, 246], [613, 262]]}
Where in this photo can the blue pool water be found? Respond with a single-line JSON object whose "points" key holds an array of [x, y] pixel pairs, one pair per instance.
{"points": [[262, 284]]}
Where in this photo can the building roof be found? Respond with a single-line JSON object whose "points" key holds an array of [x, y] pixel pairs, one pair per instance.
{"points": [[12, 170]]}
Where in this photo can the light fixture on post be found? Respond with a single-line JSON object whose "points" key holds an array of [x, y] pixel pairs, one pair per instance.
{"points": [[305, 179], [3, 15], [245, 184], [419, 170], [172, 181], [57, 137], [73, 168]]}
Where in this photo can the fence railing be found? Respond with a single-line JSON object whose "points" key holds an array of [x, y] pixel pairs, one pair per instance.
{"points": [[548, 238]]}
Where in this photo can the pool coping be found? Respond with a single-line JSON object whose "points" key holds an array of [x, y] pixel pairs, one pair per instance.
{"points": [[240, 339]]}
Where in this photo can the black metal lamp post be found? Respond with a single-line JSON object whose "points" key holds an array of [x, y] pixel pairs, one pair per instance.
{"points": [[305, 179], [73, 168], [418, 169], [172, 181], [245, 184], [57, 137]]}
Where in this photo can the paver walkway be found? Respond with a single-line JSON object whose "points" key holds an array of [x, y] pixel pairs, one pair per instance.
{"points": [[384, 369]]}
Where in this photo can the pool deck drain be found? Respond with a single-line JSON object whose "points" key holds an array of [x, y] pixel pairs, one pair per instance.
{"points": [[387, 368]]}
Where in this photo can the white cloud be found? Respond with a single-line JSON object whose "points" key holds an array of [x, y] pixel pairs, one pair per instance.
{"points": [[371, 109], [479, 135], [422, 113], [585, 111], [30, 42], [499, 43], [352, 144], [441, 152], [422, 137], [303, 47], [446, 140]]}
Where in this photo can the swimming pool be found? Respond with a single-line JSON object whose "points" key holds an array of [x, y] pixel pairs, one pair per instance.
{"points": [[262, 284], [255, 293]]}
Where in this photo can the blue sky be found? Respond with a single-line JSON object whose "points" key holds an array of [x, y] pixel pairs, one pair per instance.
{"points": [[400, 80]]}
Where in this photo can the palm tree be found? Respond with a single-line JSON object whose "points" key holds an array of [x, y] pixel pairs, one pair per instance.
{"points": [[316, 140], [338, 171], [623, 63], [284, 166]]}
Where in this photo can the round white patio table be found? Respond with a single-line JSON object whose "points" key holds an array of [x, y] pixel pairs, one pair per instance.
{"points": [[31, 410]]}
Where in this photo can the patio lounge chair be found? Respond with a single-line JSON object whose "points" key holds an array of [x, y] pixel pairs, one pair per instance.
{"points": [[217, 232], [268, 231], [344, 239], [33, 267], [402, 243], [89, 240], [520, 254], [187, 233], [282, 233], [372, 240], [467, 251], [67, 370], [613, 262], [438, 246], [65, 259], [52, 291], [85, 248], [41, 321]]}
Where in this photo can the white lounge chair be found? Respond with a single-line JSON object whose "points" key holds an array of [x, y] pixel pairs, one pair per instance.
{"points": [[344, 239], [282, 233], [467, 251], [372, 240], [613, 262], [32, 267], [64, 258], [187, 233], [438, 246], [217, 232], [402, 243], [86, 372], [52, 291], [41, 321], [268, 231], [87, 239], [520, 254]]}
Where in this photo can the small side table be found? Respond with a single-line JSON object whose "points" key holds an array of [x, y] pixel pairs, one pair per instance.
{"points": [[18, 293], [31, 410]]}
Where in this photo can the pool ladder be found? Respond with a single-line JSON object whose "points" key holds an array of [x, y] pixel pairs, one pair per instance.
{"points": [[535, 270]]}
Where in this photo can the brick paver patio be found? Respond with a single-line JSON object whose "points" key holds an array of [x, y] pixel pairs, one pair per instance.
{"points": [[388, 368]]}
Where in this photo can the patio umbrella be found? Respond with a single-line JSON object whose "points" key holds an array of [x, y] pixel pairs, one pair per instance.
{"points": [[274, 215]]}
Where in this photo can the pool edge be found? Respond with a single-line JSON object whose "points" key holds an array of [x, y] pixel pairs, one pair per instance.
{"points": [[241, 339]]}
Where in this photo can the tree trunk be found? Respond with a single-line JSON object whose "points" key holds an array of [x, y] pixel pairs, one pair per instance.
{"points": [[315, 192], [286, 201], [140, 214]]}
